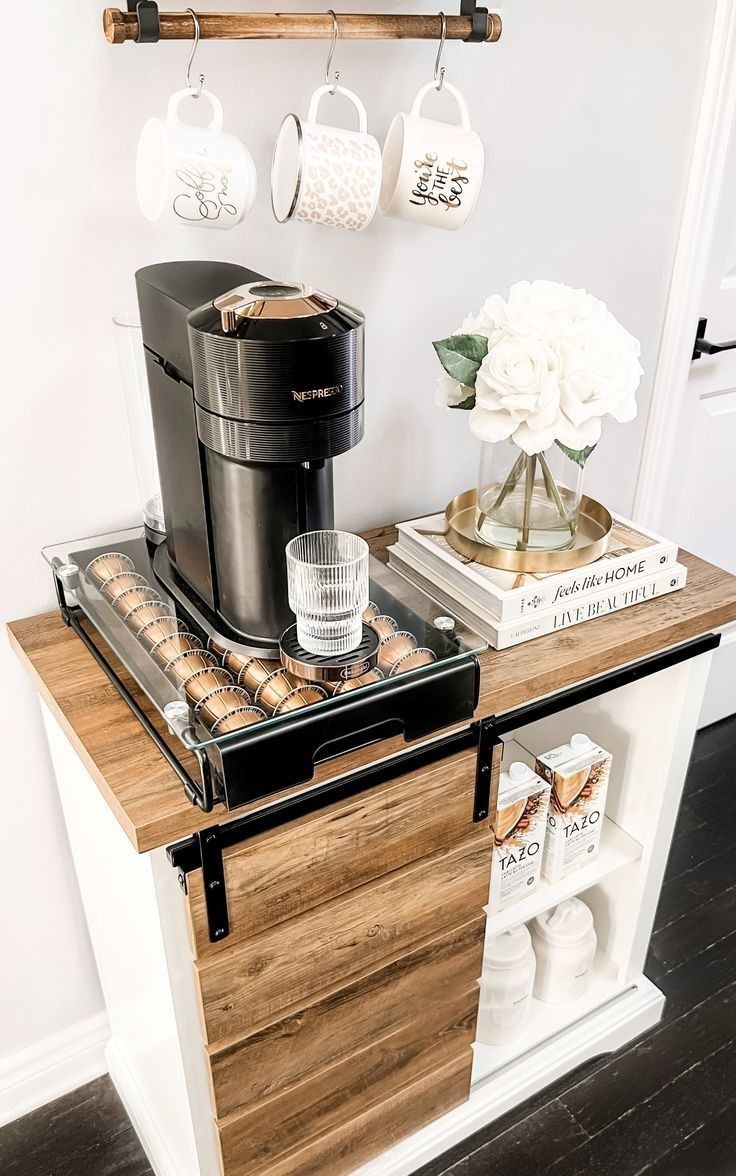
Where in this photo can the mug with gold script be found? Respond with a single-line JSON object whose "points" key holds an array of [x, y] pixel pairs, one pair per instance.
{"points": [[432, 171], [191, 175]]}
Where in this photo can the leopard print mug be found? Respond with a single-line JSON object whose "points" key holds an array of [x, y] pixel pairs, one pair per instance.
{"points": [[325, 174]]}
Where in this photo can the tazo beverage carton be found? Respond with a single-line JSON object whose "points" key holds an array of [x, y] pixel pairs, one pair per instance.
{"points": [[578, 772], [519, 830]]}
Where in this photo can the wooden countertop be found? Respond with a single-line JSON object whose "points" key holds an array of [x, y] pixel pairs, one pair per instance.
{"points": [[147, 797]]}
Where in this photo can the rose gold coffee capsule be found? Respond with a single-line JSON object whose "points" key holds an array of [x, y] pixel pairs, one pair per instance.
{"points": [[142, 614], [394, 647], [413, 661], [383, 625], [154, 631], [219, 702], [244, 716], [368, 679], [104, 567], [255, 671], [165, 651], [235, 662], [300, 697], [132, 597], [202, 682], [181, 667], [216, 646], [272, 689], [370, 613], [115, 587]]}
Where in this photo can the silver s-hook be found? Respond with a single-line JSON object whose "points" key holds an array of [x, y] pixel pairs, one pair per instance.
{"points": [[192, 55], [335, 34], [439, 70]]}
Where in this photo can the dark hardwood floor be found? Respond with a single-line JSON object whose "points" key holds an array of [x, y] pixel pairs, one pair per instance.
{"points": [[665, 1106]]}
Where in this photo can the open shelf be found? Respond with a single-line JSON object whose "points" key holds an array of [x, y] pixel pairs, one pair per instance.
{"points": [[616, 849], [544, 1020]]}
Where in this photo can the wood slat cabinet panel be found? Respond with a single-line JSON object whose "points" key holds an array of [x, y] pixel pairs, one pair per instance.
{"points": [[287, 966], [350, 973], [441, 1033], [281, 873], [367, 1130], [429, 993]]}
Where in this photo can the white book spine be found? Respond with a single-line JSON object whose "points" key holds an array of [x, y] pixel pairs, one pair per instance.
{"points": [[510, 633], [538, 595]]}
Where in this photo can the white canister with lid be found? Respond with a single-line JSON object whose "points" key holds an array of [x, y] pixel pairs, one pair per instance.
{"points": [[506, 986], [564, 942]]}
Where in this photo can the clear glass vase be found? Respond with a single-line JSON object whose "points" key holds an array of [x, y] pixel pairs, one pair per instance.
{"points": [[527, 503]]}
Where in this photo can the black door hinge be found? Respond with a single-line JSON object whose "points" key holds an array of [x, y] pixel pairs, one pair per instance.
{"points": [[213, 881]]}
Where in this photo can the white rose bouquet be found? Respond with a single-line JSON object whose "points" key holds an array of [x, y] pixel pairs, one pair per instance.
{"points": [[541, 367]]}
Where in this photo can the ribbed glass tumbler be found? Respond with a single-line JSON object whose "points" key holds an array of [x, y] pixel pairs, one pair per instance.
{"points": [[328, 590]]}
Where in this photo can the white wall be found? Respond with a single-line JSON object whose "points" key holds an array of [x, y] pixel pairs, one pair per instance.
{"points": [[587, 111]]}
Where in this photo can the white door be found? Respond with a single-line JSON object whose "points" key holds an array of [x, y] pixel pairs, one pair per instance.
{"points": [[687, 487]]}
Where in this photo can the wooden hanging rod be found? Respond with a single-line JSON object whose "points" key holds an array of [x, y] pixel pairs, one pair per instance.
{"points": [[236, 26]]}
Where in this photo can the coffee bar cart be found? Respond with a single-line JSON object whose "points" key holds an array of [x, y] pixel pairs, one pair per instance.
{"points": [[289, 926]]}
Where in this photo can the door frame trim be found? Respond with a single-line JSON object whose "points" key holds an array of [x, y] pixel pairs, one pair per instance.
{"points": [[709, 157]]}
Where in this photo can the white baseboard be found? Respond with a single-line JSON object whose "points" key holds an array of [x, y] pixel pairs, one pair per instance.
{"points": [[52, 1067], [145, 1127]]}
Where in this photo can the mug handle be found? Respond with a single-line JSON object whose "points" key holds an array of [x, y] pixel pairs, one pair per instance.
{"points": [[319, 94], [175, 101], [416, 109]]}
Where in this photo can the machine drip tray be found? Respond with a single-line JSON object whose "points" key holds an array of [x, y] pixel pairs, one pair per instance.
{"points": [[259, 724]]}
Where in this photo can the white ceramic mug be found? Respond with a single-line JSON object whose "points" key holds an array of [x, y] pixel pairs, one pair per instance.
{"points": [[325, 174], [432, 171], [191, 175]]}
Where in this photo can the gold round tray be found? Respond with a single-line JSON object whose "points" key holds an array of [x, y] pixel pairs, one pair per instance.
{"points": [[591, 539]]}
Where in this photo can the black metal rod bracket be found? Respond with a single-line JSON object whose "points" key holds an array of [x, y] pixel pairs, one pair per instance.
{"points": [[149, 25], [479, 17]]}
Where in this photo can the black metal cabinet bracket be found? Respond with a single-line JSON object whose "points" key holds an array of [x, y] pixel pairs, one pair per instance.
{"points": [[213, 882], [488, 742], [149, 26]]}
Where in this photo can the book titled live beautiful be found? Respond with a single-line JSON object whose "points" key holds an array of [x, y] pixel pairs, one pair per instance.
{"points": [[632, 554], [504, 634]]}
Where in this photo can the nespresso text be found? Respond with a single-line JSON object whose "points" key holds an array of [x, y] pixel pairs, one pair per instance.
{"points": [[317, 393]]}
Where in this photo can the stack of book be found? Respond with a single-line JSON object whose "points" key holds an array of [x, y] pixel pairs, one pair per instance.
{"points": [[507, 608]]}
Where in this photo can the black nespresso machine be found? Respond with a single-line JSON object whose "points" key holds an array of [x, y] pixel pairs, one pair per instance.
{"points": [[255, 386]]}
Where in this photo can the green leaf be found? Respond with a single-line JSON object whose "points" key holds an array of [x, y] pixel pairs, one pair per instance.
{"points": [[579, 456], [461, 356]]}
